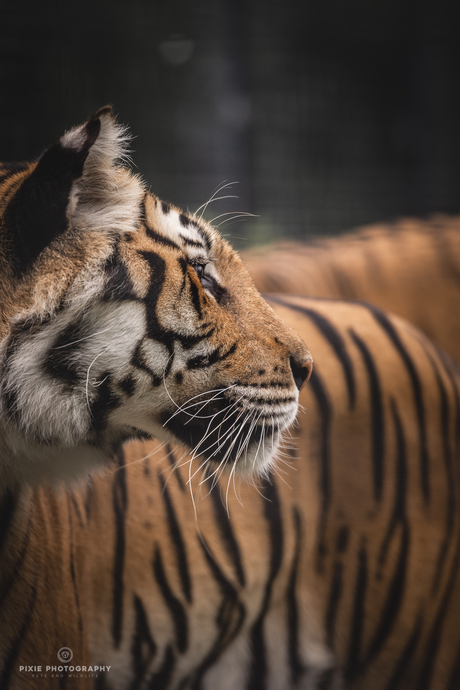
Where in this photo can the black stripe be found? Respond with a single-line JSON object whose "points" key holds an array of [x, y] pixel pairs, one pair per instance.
{"points": [[106, 401], [399, 507], [138, 361], [357, 623], [190, 242], [377, 416], [215, 356], [77, 511], [432, 646], [343, 537], [8, 504], [146, 467], [390, 330], [172, 602], [120, 506], [143, 648], [157, 267], [73, 574], [325, 409], [203, 234], [62, 358], [160, 680], [128, 385], [88, 498], [452, 371], [119, 286], [450, 479], [272, 513], [177, 541], [155, 330], [173, 463], [227, 535], [229, 619], [335, 595], [160, 239], [406, 657], [196, 300], [393, 601], [296, 665], [334, 339], [183, 265]]}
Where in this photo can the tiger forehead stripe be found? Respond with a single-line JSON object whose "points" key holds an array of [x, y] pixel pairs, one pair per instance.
{"points": [[174, 227]]}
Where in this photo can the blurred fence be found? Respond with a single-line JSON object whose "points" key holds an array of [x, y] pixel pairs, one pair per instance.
{"points": [[328, 114]]}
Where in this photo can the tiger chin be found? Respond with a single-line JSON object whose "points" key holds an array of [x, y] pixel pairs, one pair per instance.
{"points": [[121, 316]]}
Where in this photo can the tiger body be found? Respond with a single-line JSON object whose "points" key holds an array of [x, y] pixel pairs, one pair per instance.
{"points": [[119, 314], [410, 268], [341, 572]]}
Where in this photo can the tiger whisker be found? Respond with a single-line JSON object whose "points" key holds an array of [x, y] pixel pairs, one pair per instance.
{"points": [[226, 417], [180, 408], [223, 185], [87, 377], [233, 213], [212, 200], [233, 442], [220, 441], [237, 218]]}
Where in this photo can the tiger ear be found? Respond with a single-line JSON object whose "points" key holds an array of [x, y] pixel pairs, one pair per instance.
{"points": [[74, 183]]}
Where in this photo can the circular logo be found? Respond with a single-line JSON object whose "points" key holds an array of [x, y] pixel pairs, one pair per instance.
{"points": [[65, 655]]}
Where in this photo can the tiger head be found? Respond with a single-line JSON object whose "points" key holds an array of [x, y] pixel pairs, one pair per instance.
{"points": [[123, 316]]}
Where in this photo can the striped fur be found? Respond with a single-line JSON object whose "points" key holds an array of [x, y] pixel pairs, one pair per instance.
{"points": [[411, 268], [341, 572]]}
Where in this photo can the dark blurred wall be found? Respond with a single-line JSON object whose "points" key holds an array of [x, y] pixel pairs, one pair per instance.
{"points": [[328, 114]]}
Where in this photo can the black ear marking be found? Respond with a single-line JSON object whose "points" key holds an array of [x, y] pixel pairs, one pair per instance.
{"points": [[38, 211]]}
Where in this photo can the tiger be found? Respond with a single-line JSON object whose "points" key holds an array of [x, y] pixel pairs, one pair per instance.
{"points": [[410, 267], [120, 316]]}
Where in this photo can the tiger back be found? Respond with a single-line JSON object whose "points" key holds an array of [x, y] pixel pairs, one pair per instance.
{"points": [[410, 267]]}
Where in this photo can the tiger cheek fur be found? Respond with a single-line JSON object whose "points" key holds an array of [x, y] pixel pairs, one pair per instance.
{"points": [[124, 317]]}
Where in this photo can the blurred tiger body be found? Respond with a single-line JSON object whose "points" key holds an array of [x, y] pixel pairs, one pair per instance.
{"points": [[342, 572], [410, 268]]}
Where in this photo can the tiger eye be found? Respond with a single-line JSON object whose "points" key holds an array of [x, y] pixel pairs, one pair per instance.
{"points": [[199, 270]]}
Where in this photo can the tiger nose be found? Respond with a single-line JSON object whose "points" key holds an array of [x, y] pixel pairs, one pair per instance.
{"points": [[301, 371]]}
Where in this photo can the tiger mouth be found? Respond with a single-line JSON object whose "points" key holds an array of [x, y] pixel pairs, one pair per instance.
{"points": [[246, 431]]}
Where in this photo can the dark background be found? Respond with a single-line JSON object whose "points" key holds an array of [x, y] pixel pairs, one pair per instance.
{"points": [[329, 114]]}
